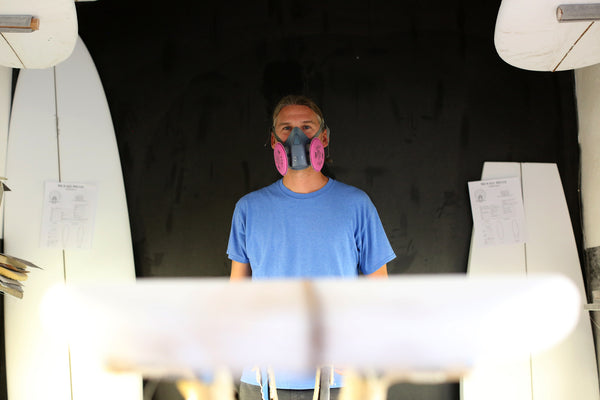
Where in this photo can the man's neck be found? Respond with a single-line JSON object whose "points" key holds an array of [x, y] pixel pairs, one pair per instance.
{"points": [[304, 181]]}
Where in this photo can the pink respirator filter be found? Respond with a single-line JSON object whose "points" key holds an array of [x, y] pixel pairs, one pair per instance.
{"points": [[281, 160], [317, 154]]}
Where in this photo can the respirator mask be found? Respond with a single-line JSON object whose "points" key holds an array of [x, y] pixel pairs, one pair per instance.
{"points": [[298, 151]]}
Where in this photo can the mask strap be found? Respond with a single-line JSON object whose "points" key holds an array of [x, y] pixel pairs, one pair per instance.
{"points": [[275, 134], [320, 129]]}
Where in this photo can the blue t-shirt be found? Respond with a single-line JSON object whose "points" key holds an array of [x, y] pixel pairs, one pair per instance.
{"points": [[333, 232]]}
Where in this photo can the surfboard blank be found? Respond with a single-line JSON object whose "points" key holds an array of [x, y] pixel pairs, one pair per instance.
{"points": [[426, 326], [551, 248], [567, 370], [5, 102], [88, 154], [46, 47], [529, 36], [587, 87]]}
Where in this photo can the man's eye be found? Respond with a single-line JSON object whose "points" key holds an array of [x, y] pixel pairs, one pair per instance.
{"points": [[306, 127]]}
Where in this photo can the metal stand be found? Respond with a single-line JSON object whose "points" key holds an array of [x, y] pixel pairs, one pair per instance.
{"points": [[578, 12]]}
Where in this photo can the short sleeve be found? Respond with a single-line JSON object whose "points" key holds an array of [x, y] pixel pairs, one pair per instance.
{"points": [[236, 248], [374, 249]]}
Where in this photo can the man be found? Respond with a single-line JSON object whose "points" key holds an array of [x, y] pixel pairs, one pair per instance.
{"points": [[305, 225]]}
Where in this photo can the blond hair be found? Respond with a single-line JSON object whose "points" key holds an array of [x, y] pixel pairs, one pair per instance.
{"points": [[297, 100]]}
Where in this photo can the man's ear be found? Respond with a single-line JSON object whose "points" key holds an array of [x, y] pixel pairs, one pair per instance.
{"points": [[325, 137], [273, 140]]}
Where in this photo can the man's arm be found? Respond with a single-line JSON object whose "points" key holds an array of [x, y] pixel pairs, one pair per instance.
{"points": [[239, 271], [380, 273]]}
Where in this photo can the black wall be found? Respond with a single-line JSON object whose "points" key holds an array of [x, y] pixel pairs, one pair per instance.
{"points": [[414, 93]]}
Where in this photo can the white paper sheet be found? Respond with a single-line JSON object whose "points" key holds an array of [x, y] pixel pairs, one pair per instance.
{"points": [[498, 213], [68, 215]]}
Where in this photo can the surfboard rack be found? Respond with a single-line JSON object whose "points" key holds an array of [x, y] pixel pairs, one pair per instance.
{"points": [[19, 23], [578, 12]]}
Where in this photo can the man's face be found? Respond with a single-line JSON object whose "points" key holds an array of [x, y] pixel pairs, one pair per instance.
{"points": [[301, 117]]}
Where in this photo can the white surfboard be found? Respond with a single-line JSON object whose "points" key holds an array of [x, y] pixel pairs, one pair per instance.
{"points": [[422, 327], [528, 35], [52, 43], [5, 102], [587, 88], [61, 130], [567, 370]]}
